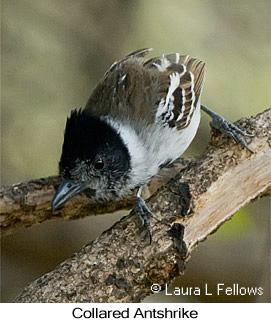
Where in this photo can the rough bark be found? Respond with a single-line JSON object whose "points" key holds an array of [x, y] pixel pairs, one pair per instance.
{"points": [[120, 265]]}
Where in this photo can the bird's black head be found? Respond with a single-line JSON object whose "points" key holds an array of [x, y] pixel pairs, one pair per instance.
{"points": [[93, 156]]}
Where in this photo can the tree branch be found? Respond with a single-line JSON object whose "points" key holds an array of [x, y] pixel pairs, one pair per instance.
{"points": [[120, 266]]}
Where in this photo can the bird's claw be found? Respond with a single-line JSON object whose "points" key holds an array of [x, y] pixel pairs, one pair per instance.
{"points": [[142, 211], [230, 130]]}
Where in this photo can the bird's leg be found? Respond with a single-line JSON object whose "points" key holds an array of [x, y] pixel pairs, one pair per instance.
{"points": [[227, 128], [142, 211]]}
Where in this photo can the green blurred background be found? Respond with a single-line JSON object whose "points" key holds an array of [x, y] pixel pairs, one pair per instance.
{"points": [[53, 54]]}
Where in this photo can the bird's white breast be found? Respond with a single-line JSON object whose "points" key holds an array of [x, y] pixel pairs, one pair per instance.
{"points": [[167, 144], [154, 146]]}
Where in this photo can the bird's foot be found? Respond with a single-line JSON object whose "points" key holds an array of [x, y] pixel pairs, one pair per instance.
{"points": [[142, 211], [228, 128]]}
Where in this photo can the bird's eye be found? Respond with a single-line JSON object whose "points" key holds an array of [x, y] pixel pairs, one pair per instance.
{"points": [[99, 164]]}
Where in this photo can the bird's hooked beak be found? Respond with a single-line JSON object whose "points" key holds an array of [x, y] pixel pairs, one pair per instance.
{"points": [[65, 192]]}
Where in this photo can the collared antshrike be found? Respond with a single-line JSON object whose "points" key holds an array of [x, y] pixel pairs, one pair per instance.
{"points": [[142, 115]]}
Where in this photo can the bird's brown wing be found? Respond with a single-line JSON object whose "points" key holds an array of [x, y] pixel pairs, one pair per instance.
{"points": [[163, 89], [181, 86]]}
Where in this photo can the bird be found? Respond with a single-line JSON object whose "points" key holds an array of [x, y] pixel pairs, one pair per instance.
{"points": [[142, 116]]}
